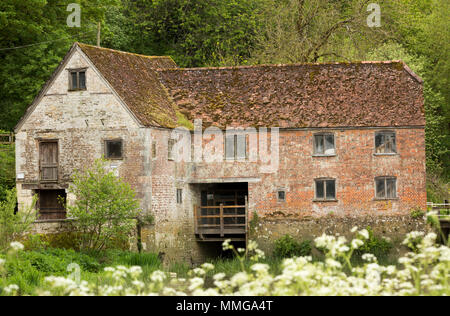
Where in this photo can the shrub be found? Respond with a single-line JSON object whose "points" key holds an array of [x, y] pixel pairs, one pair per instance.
{"points": [[105, 210], [417, 213], [7, 169], [13, 226], [380, 247], [287, 247]]}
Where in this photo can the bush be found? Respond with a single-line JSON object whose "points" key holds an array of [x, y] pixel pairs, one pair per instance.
{"points": [[7, 169], [417, 213], [105, 210], [380, 247], [287, 247], [13, 226]]}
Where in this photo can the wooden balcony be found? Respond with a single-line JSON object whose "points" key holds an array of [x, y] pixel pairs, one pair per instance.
{"points": [[218, 223]]}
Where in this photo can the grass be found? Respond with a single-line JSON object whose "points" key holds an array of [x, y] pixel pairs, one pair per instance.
{"points": [[30, 268]]}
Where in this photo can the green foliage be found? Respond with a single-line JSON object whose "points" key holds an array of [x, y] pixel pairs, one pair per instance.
{"points": [[13, 226], [7, 169], [417, 213], [194, 32], [146, 219], [380, 247], [287, 247], [253, 224], [105, 210], [25, 70], [55, 261]]}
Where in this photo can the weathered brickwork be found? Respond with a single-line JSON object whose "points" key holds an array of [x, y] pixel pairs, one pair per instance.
{"points": [[81, 122]]}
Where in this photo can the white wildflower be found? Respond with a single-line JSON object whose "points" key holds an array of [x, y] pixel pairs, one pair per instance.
{"points": [[17, 246]]}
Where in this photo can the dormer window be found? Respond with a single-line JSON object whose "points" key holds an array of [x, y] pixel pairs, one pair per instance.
{"points": [[77, 80]]}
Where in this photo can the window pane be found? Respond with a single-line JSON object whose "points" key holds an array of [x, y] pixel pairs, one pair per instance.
{"points": [[179, 196], [114, 149], [329, 145], [391, 188], [82, 80], [74, 81], [379, 143], [381, 192], [319, 145], [390, 143], [229, 147], [331, 189], [171, 144], [241, 147], [281, 195], [320, 194]]}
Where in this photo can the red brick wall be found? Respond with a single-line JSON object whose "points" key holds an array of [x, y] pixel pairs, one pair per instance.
{"points": [[354, 167]]}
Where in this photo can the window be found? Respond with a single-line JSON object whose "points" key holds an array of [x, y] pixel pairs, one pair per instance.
{"points": [[113, 149], [171, 144], [324, 144], [235, 147], [281, 196], [179, 196], [385, 143], [154, 150], [77, 80], [326, 189], [386, 188]]}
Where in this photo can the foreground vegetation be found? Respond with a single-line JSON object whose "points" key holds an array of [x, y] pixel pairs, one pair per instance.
{"points": [[424, 271]]}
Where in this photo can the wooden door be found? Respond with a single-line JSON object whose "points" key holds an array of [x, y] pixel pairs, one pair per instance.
{"points": [[48, 152]]}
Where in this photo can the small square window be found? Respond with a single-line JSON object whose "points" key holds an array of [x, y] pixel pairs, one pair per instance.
{"points": [[385, 143], [281, 196], [179, 196], [386, 188], [77, 80], [326, 189], [324, 145], [113, 149]]}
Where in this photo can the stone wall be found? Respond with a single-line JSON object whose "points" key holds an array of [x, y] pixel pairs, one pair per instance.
{"points": [[395, 228]]}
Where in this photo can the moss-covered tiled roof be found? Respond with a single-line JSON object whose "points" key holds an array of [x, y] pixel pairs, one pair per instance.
{"points": [[134, 78], [363, 94], [359, 94]]}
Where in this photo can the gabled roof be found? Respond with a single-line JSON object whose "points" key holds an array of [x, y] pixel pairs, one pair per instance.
{"points": [[134, 78], [359, 94]]}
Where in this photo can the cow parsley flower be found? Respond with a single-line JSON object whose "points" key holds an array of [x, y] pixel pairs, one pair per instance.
{"points": [[17, 246]]}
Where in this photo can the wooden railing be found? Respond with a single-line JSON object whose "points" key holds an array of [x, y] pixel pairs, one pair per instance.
{"points": [[6, 139], [220, 223], [443, 209]]}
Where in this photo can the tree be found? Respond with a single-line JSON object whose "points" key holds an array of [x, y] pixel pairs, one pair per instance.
{"points": [[34, 37], [12, 225], [317, 30], [195, 32], [7, 169], [105, 209]]}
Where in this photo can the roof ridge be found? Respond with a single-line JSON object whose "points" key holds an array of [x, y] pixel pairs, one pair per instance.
{"points": [[122, 52], [287, 65]]}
